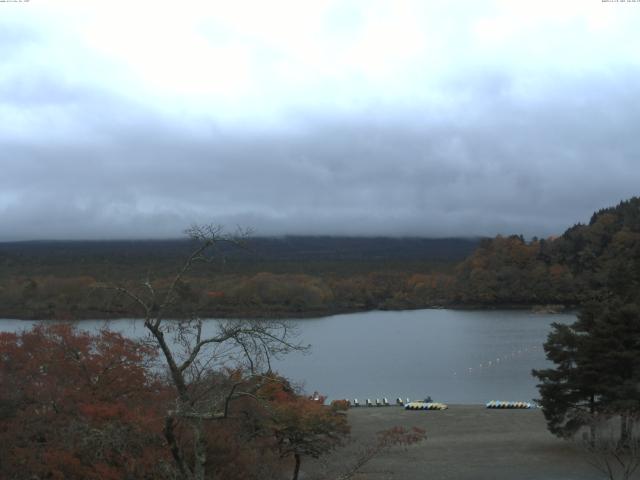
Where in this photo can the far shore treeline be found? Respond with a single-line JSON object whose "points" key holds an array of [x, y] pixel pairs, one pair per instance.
{"points": [[307, 276]]}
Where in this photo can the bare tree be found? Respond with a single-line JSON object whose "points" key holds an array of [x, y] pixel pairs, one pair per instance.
{"points": [[386, 440], [612, 444], [355, 456], [195, 353]]}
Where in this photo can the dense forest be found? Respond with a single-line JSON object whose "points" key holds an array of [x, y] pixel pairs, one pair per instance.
{"points": [[296, 276], [262, 277], [603, 255]]}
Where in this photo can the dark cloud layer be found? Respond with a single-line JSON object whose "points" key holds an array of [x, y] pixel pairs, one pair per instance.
{"points": [[502, 166], [481, 148]]}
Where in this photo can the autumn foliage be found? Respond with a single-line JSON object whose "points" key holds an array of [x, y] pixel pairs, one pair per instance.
{"points": [[75, 405], [78, 406], [302, 426]]}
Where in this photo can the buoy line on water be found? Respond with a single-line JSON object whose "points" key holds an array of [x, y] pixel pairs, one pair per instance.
{"points": [[495, 362]]}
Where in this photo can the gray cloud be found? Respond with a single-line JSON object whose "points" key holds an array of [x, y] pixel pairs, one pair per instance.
{"points": [[502, 167], [484, 149]]}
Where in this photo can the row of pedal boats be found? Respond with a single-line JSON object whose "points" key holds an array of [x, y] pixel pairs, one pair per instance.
{"points": [[430, 405]]}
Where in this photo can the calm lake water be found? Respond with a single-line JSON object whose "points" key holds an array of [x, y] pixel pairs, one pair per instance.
{"points": [[454, 356]]}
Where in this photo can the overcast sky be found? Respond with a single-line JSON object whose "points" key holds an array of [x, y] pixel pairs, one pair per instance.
{"points": [[432, 118]]}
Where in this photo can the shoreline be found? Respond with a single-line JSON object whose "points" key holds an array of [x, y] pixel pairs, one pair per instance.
{"points": [[288, 314]]}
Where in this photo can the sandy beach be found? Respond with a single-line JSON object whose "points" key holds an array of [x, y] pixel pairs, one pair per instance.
{"points": [[464, 442]]}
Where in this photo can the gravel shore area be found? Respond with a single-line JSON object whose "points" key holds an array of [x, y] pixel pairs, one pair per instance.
{"points": [[465, 442]]}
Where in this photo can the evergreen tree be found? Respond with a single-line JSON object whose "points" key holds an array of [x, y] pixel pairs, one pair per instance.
{"points": [[597, 367]]}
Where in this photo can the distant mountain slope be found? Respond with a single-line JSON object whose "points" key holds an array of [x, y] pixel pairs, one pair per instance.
{"points": [[300, 276], [363, 248], [287, 248], [270, 277]]}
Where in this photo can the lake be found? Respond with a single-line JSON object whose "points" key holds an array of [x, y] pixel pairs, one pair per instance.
{"points": [[455, 356]]}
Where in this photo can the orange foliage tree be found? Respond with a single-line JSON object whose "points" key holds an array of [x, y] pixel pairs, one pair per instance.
{"points": [[79, 406], [301, 425]]}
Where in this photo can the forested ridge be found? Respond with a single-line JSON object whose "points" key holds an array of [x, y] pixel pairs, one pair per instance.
{"points": [[568, 270], [265, 277], [320, 275]]}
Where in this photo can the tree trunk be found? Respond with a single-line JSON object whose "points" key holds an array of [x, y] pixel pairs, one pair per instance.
{"points": [[199, 450], [296, 469], [169, 435], [592, 424], [624, 430]]}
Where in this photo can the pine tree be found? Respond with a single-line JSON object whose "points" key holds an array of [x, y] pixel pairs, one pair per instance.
{"points": [[597, 368]]}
